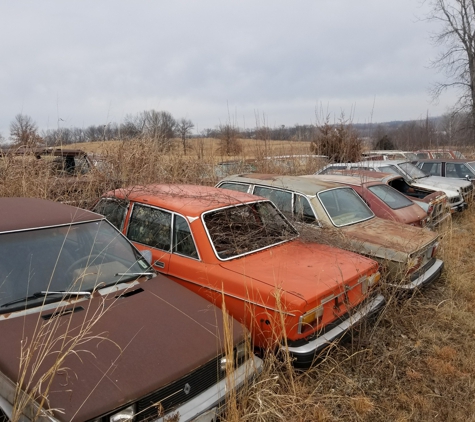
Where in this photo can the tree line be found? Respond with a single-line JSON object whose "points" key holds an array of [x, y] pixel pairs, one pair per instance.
{"points": [[339, 139]]}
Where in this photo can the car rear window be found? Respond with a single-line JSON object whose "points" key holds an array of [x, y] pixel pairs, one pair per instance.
{"points": [[239, 187], [391, 197], [246, 228]]}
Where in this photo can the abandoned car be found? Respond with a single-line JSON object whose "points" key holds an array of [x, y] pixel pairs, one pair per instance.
{"points": [[459, 192], [452, 168], [438, 153], [240, 252], [64, 173], [434, 203], [406, 254], [385, 201], [79, 306]]}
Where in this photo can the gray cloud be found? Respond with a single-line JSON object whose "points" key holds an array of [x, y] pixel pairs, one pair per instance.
{"points": [[92, 62]]}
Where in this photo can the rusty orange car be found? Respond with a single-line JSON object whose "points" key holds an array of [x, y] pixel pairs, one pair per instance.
{"points": [[240, 252]]}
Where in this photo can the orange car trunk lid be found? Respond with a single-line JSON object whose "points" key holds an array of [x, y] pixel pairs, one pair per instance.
{"points": [[305, 270]]}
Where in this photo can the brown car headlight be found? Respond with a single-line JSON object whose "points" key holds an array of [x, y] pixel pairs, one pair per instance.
{"points": [[125, 415], [311, 319], [241, 353]]}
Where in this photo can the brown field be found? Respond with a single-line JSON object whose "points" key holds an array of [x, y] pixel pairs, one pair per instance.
{"points": [[415, 362]]}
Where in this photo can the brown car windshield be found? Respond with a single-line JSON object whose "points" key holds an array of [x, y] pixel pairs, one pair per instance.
{"points": [[76, 258], [247, 228]]}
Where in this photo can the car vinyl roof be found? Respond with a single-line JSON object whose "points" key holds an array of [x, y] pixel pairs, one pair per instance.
{"points": [[30, 213]]}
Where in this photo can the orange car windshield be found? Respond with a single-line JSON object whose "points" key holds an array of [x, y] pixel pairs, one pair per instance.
{"points": [[247, 228]]}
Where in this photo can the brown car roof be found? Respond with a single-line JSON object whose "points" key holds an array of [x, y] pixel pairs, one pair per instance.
{"points": [[30, 213]]}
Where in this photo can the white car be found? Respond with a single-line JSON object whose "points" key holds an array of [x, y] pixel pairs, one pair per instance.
{"points": [[459, 192]]}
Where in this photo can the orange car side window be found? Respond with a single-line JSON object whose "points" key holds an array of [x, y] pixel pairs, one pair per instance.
{"points": [[151, 227]]}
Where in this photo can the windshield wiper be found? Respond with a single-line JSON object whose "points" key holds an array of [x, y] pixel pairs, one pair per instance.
{"points": [[46, 293], [134, 274]]}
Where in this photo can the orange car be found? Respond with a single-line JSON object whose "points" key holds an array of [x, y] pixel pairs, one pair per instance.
{"points": [[238, 251]]}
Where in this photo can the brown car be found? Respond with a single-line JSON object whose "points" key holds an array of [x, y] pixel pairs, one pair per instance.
{"points": [[67, 173], [91, 333]]}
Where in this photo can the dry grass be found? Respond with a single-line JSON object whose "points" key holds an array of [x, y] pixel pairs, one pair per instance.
{"points": [[416, 362]]}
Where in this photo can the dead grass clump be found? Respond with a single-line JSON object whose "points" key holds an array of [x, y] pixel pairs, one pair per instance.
{"points": [[414, 362]]}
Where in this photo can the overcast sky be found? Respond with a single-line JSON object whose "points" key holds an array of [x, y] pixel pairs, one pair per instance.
{"points": [[78, 63]]}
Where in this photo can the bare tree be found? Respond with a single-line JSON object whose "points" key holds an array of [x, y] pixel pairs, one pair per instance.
{"points": [[339, 142], [262, 132], [157, 125], [458, 58], [184, 127], [23, 131], [228, 135]]}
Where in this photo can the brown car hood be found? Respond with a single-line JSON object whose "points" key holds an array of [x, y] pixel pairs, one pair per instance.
{"points": [[305, 270], [387, 239], [140, 343]]}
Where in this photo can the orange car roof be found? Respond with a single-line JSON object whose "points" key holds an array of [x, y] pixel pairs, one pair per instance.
{"points": [[191, 200]]}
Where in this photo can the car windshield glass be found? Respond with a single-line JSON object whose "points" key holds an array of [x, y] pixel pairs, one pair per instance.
{"points": [[344, 206], [391, 169], [246, 228], [471, 164], [74, 258], [410, 155], [391, 197], [412, 170]]}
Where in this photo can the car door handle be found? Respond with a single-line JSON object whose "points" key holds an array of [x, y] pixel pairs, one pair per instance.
{"points": [[159, 264]]}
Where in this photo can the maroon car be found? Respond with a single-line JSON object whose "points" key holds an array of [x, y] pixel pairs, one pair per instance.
{"points": [[434, 203], [385, 201]]}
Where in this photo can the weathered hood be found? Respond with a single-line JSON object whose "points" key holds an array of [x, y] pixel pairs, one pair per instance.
{"points": [[305, 270], [141, 342], [387, 239], [441, 183]]}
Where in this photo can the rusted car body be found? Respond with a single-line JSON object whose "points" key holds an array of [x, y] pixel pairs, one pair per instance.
{"points": [[388, 155], [445, 167], [459, 193], [406, 254], [385, 201], [438, 153], [434, 203], [240, 252], [79, 307], [66, 172]]}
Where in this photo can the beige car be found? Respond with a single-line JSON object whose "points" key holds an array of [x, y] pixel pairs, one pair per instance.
{"points": [[406, 254]]}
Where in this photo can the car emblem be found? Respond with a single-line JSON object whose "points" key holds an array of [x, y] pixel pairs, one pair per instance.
{"points": [[187, 389]]}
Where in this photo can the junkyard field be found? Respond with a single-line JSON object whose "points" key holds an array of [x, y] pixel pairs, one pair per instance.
{"points": [[415, 362]]}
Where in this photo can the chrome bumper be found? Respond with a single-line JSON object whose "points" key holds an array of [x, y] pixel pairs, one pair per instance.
{"points": [[428, 276], [196, 408], [304, 355]]}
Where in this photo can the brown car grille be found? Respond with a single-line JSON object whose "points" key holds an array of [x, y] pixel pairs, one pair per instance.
{"points": [[178, 392]]}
